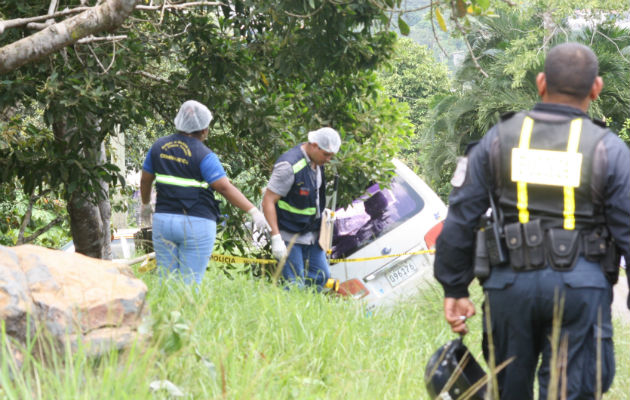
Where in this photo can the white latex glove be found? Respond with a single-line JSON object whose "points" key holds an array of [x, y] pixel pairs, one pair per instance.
{"points": [[278, 248], [259, 219], [330, 214], [146, 212]]}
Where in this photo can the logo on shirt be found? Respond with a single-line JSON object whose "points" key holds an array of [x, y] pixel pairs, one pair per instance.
{"points": [[171, 146]]}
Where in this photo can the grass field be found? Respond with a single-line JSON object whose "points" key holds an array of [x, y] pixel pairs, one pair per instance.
{"points": [[241, 338]]}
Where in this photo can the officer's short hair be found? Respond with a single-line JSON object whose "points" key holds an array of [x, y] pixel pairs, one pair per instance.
{"points": [[571, 69]]}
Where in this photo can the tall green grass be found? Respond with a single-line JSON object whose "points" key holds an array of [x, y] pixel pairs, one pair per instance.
{"points": [[241, 338]]}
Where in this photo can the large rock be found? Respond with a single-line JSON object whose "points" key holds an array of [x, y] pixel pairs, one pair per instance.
{"points": [[70, 298]]}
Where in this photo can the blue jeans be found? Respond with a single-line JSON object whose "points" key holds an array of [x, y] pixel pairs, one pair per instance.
{"points": [[183, 245], [309, 259]]}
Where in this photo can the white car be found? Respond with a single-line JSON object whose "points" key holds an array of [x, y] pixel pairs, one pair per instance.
{"points": [[387, 224], [124, 245]]}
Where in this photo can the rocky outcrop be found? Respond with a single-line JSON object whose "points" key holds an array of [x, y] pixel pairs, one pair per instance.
{"points": [[69, 299]]}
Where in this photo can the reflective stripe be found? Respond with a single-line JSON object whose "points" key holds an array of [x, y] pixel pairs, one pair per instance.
{"points": [[177, 181], [298, 166], [287, 207], [521, 187], [569, 191]]}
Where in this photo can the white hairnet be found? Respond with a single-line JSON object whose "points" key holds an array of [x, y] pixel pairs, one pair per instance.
{"points": [[192, 116], [326, 138]]}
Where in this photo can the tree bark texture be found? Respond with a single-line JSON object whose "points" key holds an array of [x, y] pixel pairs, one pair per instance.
{"points": [[105, 17], [90, 220]]}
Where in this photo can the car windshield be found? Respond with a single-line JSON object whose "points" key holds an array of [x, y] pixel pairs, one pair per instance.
{"points": [[372, 215]]}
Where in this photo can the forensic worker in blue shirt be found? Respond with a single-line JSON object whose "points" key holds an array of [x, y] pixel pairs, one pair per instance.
{"points": [[293, 204], [561, 184], [187, 173]]}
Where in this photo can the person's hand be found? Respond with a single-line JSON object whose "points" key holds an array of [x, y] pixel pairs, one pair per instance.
{"points": [[457, 311], [278, 247], [146, 211], [259, 219]]}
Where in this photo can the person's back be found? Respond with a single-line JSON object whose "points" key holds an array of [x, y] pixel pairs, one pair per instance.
{"points": [[561, 183], [187, 173]]}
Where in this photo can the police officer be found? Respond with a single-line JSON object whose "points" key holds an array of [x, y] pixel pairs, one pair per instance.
{"points": [[561, 183], [293, 204], [187, 173]]}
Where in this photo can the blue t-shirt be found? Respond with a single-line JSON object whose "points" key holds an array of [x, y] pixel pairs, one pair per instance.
{"points": [[211, 168]]}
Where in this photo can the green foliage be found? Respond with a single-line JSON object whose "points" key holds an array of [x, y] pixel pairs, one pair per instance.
{"points": [[289, 75], [13, 207], [415, 78], [424, 30], [269, 71], [508, 48], [624, 134]]}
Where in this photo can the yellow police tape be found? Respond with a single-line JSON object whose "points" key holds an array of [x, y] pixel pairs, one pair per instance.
{"points": [[229, 259]]}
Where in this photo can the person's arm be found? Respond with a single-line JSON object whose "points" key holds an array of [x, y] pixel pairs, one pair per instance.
{"points": [[146, 210], [617, 192], [232, 194], [146, 182], [279, 185], [616, 195], [278, 247], [457, 311], [269, 209], [453, 265], [213, 173]]}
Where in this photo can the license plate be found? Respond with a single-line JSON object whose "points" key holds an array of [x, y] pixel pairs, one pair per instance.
{"points": [[400, 273]]}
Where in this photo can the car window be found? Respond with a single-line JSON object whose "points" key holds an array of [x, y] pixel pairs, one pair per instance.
{"points": [[372, 215]]}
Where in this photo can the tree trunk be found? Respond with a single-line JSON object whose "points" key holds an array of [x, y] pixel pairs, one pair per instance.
{"points": [[89, 217], [89, 222]]}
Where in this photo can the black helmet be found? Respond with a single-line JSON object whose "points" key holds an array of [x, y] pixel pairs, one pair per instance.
{"points": [[453, 370]]}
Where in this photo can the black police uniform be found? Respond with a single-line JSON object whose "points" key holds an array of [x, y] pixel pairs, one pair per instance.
{"points": [[522, 299]]}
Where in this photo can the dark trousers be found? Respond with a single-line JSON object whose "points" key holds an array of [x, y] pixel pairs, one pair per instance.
{"points": [[522, 308]]}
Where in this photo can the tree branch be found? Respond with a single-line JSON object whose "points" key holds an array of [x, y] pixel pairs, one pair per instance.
{"points": [[468, 46], [179, 6], [43, 230], [312, 13], [51, 10], [108, 38], [401, 10], [435, 33], [15, 23], [613, 42], [27, 217], [107, 16]]}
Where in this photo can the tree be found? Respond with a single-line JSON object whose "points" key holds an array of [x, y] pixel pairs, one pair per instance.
{"points": [[511, 49], [414, 77], [269, 70], [106, 16]]}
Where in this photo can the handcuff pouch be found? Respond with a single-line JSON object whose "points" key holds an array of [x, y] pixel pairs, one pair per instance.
{"points": [[514, 243], [534, 238], [563, 246]]}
